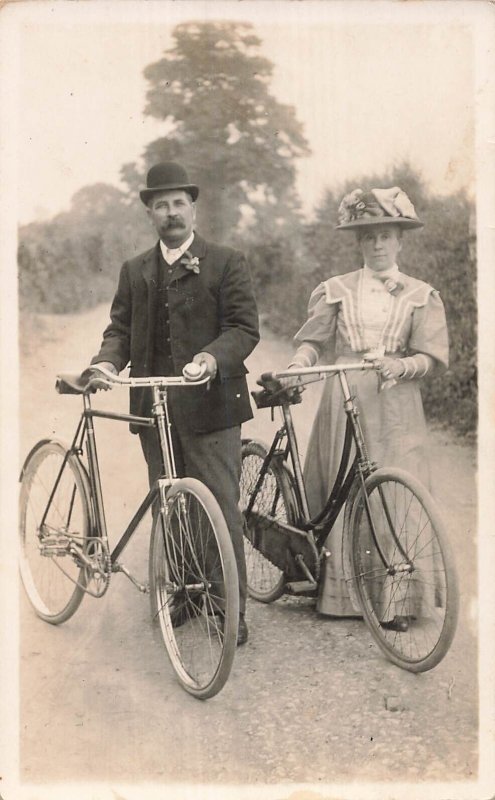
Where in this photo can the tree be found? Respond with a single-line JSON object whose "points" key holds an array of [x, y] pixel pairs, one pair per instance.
{"points": [[211, 91]]}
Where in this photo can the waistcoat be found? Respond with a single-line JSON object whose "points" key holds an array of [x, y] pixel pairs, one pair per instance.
{"points": [[162, 354]]}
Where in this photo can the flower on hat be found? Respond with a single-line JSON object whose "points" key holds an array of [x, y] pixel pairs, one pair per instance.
{"points": [[190, 262], [377, 205], [352, 206]]}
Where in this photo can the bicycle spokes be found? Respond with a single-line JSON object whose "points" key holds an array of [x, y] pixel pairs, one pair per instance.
{"points": [[192, 581], [264, 500], [54, 530], [403, 571]]}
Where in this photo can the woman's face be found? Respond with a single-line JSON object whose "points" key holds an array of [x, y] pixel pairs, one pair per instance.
{"points": [[380, 246]]}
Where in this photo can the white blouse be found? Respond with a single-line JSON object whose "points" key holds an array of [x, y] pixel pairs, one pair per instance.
{"points": [[375, 303]]}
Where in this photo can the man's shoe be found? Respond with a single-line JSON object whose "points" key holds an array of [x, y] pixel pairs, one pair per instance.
{"points": [[400, 624], [179, 616], [242, 631], [185, 608]]}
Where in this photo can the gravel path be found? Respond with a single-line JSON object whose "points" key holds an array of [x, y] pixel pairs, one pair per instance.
{"points": [[310, 700]]}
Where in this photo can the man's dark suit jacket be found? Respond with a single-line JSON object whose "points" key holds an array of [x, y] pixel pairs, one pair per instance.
{"points": [[213, 311]]}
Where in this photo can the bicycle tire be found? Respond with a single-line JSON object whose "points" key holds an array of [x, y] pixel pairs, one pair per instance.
{"points": [[422, 592], [194, 587], [275, 498], [53, 579]]}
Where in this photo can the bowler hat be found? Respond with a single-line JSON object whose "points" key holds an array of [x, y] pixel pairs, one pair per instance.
{"points": [[392, 206], [165, 176]]}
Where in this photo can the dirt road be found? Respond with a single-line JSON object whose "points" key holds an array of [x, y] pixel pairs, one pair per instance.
{"points": [[309, 698]]}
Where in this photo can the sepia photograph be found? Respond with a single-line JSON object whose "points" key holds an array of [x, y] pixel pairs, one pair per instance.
{"points": [[247, 424]]}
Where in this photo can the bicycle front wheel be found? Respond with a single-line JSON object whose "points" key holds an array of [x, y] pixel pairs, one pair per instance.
{"points": [[54, 525], [403, 570], [272, 501], [194, 587]]}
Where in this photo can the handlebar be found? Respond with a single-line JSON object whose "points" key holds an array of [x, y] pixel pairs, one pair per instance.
{"points": [[190, 377], [88, 380], [322, 370], [274, 393]]}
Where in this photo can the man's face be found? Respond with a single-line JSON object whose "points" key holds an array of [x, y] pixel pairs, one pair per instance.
{"points": [[380, 246], [172, 213]]}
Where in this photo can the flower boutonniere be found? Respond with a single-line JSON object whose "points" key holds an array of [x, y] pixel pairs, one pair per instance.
{"points": [[190, 262], [393, 286]]}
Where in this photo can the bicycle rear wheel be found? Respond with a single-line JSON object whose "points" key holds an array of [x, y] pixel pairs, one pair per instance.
{"points": [[273, 501], [405, 577], [54, 524], [194, 587]]}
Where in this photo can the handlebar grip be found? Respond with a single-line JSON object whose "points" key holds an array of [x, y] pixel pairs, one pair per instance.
{"points": [[267, 376], [194, 372]]}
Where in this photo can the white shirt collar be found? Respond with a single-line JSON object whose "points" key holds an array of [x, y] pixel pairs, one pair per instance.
{"points": [[393, 272], [171, 254]]}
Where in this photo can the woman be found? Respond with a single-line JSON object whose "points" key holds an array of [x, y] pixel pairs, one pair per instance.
{"points": [[375, 310]]}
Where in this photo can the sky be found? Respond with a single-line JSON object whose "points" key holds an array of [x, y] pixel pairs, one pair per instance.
{"points": [[373, 84]]}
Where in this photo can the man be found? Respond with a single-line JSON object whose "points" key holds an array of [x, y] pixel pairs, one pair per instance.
{"points": [[189, 300]]}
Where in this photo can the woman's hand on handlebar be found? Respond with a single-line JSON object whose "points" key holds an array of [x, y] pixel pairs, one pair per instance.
{"points": [[391, 369], [291, 381], [274, 384], [294, 382]]}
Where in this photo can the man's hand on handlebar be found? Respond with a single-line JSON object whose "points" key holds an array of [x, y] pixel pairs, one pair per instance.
{"points": [[208, 364], [92, 374]]}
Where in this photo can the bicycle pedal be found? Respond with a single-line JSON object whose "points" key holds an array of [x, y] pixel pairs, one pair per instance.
{"points": [[298, 587]]}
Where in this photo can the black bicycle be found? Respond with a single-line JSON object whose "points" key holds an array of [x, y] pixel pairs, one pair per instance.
{"points": [[396, 556], [64, 544]]}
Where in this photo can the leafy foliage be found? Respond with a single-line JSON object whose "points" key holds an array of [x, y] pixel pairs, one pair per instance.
{"points": [[72, 261]]}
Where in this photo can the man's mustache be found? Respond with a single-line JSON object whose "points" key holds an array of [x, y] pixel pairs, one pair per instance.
{"points": [[175, 222]]}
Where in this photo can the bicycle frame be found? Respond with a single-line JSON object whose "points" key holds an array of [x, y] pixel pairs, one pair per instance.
{"points": [[85, 434], [318, 527], [161, 421], [345, 475]]}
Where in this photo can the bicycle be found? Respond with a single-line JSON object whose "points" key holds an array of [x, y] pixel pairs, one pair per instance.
{"points": [[64, 544], [397, 559]]}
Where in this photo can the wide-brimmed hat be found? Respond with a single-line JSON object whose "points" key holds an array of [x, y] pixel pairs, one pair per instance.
{"points": [[360, 209], [165, 176]]}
